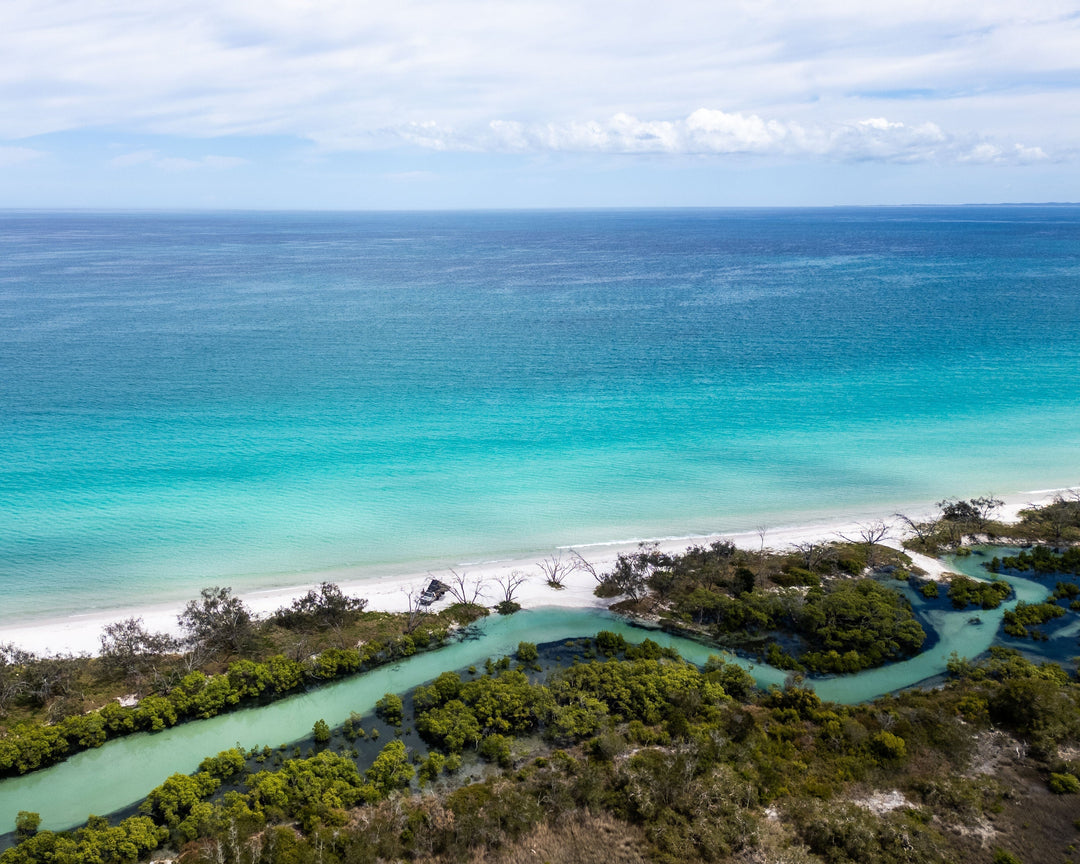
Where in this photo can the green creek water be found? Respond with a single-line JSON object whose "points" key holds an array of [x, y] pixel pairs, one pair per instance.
{"points": [[122, 771]]}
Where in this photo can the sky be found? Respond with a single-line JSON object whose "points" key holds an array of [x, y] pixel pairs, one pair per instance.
{"points": [[432, 104]]}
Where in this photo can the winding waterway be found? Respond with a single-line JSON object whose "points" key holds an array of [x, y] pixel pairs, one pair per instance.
{"points": [[123, 771]]}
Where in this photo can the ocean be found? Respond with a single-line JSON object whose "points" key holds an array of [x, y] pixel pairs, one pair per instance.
{"points": [[256, 399]]}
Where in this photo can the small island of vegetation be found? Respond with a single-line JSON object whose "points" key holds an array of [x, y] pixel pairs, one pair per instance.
{"points": [[814, 600]]}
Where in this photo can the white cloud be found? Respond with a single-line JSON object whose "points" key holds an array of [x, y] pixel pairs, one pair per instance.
{"points": [[722, 132], [175, 163], [18, 155], [708, 131], [990, 154], [982, 153], [533, 75], [879, 123], [1029, 154]]}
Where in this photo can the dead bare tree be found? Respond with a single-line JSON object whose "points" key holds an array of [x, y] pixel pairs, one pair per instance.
{"points": [[814, 552], [869, 536], [462, 591], [762, 578], [300, 647], [556, 568], [416, 607], [923, 531], [195, 657], [582, 564], [509, 584]]}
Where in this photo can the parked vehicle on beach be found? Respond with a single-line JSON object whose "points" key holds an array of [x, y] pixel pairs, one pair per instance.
{"points": [[435, 590]]}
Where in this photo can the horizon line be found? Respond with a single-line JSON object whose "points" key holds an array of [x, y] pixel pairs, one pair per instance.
{"points": [[528, 209]]}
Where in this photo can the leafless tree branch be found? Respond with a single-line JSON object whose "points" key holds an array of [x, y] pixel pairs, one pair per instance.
{"points": [[556, 568], [922, 530], [510, 583], [582, 564], [416, 611], [869, 536], [462, 591], [813, 552]]}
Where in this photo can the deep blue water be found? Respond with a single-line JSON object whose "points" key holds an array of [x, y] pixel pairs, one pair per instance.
{"points": [[193, 399]]}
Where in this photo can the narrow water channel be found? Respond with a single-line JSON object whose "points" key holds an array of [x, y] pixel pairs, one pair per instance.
{"points": [[122, 771]]}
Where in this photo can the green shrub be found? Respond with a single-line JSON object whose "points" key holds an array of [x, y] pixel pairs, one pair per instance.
{"points": [[736, 681], [795, 576], [391, 768], [131, 839], [432, 767], [609, 644], [1064, 784], [856, 624], [496, 748], [888, 747], [972, 708], [1025, 615], [527, 652], [391, 709], [26, 825], [778, 658], [987, 595], [227, 763]]}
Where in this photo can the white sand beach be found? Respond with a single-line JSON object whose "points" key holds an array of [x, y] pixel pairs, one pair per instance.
{"points": [[81, 633]]}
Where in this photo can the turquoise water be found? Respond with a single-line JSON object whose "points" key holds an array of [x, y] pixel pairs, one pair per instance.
{"points": [[245, 399], [124, 770], [955, 632]]}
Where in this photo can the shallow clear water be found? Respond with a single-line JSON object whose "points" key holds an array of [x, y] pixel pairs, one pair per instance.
{"points": [[194, 399], [955, 632]]}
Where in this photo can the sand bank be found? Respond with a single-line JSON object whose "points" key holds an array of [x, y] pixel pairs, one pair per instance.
{"points": [[81, 633]]}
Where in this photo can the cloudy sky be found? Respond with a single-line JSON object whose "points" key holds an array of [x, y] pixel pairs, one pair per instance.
{"points": [[536, 103]]}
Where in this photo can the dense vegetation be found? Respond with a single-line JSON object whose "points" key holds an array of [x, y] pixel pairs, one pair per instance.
{"points": [[964, 592], [1057, 522], [642, 757], [55, 703], [1024, 619], [959, 520], [626, 754], [833, 619], [1041, 560]]}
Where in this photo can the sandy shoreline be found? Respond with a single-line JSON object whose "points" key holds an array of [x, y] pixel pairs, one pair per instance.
{"points": [[81, 633]]}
